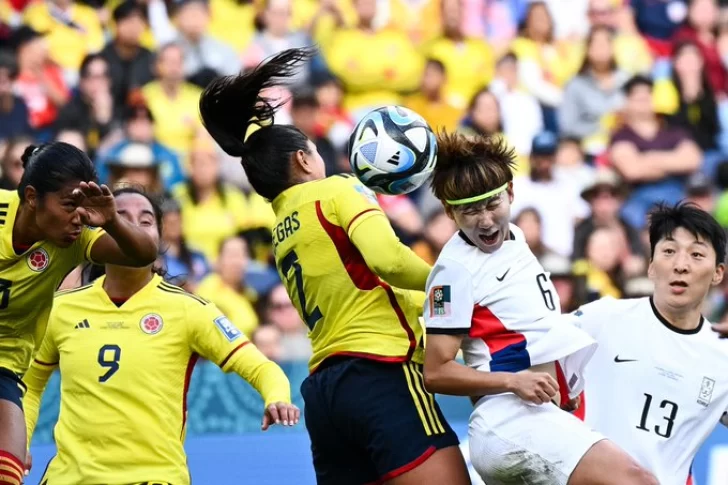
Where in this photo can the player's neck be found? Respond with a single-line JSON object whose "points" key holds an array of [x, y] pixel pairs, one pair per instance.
{"points": [[684, 318], [25, 230], [122, 283]]}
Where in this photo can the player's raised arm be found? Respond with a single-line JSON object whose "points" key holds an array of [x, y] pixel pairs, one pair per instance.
{"points": [[216, 338], [372, 234], [448, 314]]}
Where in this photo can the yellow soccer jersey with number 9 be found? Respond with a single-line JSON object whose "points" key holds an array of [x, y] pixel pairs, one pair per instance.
{"points": [[27, 284]]}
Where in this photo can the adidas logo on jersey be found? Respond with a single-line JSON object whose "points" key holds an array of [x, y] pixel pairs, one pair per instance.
{"points": [[83, 324]]}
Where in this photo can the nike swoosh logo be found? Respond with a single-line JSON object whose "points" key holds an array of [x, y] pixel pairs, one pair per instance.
{"points": [[504, 275], [618, 360]]}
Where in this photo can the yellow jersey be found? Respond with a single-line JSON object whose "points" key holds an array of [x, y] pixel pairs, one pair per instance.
{"points": [[177, 121], [349, 310], [129, 367], [27, 283], [238, 307]]}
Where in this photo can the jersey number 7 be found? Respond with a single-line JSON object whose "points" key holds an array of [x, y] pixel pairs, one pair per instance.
{"points": [[290, 261]]}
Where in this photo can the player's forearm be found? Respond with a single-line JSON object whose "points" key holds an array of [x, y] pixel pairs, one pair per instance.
{"points": [[264, 375], [35, 379], [456, 379]]}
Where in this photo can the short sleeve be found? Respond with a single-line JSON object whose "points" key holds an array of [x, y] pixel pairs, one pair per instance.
{"points": [[592, 317], [212, 335], [354, 205], [449, 304], [89, 236]]}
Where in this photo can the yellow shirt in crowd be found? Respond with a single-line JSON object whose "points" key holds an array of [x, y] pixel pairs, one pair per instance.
{"points": [[238, 307], [438, 115], [559, 61], [68, 45], [176, 121]]}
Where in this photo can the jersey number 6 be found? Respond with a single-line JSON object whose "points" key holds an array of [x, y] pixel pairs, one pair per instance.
{"points": [[109, 357], [548, 296], [290, 261]]}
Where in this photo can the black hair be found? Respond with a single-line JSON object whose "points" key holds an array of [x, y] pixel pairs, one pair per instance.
{"points": [[8, 61], [304, 100], [665, 219], [50, 166], [129, 8], [230, 104], [437, 64], [508, 56], [88, 60], [636, 81]]}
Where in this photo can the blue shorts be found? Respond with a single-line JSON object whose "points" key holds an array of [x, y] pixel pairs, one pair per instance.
{"points": [[370, 421], [11, 387]]}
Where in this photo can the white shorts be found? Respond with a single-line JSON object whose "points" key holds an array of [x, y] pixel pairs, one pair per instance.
{"points": [[516, 443]]}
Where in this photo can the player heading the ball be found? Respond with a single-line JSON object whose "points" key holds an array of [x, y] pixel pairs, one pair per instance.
{"points": [[357, 288], [57, 219], [126, 346], [490, 297]]}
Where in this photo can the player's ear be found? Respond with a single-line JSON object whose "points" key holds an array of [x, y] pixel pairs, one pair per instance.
{"points": [[31, 196], [650, 271], [448, 211], [718, 274], [302, 162]]}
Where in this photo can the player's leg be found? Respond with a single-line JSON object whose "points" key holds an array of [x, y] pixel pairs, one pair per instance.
{"points": [[409, 440], [606, 464], [12, 430]]}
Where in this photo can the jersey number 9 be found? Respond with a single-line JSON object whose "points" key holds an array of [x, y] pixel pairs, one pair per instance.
{"points": [[109, 357], [290, 261]]}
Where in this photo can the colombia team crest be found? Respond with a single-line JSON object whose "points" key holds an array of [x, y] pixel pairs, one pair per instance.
{"points": [[151, 324], [38, 260]]}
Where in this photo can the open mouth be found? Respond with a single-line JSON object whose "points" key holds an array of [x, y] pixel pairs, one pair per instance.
{"points": [[489, 239], [678, 287]]}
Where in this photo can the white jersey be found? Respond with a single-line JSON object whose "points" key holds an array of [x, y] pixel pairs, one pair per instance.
{"points": [[655, 390], [501, 302]]}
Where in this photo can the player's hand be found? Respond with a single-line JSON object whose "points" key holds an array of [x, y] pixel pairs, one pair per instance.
{"points": [[28, 462], [572, 404], [280, 413], [535, 387], [721, 328], [95, 204]]}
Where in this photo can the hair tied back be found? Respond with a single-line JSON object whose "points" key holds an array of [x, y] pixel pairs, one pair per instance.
{"points": [[30, 150]]}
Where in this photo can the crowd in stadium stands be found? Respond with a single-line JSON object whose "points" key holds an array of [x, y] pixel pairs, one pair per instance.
{"points": [[610, 105]]}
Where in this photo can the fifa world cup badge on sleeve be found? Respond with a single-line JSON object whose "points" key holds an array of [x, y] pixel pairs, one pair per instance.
{"points": [[706, 391], [440, 301], [227, 328]]}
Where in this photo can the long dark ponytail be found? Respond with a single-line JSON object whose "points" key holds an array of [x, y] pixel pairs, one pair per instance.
{"points": [[231, 104]]}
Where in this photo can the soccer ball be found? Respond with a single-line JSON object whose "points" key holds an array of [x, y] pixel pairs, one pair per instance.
{"points": [[392, 150]]}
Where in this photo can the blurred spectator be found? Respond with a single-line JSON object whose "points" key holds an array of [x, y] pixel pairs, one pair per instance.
{"points": [[275, 36], [570, 18], [279, 311], [138, 127], [695, 108], [430, 101], [658, 22], [545, 64], [212, 211], [204, 56], [496, 20], [267, 338], [721, 205], [305, 114], [13, 111], [556, 200], [173, 102], [226, 286], [700, 191], [40, 82], [403, 215], [601, 267], [135, 164], [233, 22], [529, 221], [571, 165], [650, 155], [701, 29], [468, 62], [520, 111], [605, 195], [72, 137], [12, 165], [91, 109], [420, 20], [375, 65], [564, 280], [483, 117], [439, 228], [73, 29], [183, 265], [333, 120], [130, 64], [594, 95]]}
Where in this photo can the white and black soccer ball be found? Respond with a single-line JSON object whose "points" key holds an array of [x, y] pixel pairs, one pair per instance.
{"points": [[392, 150]]}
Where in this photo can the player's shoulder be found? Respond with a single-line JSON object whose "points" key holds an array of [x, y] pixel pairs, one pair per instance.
{"points": [[8, 199], [609, 306], [178, 297], [73, 297]]}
